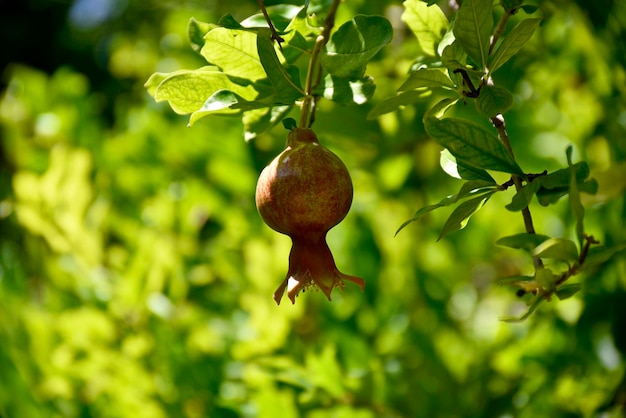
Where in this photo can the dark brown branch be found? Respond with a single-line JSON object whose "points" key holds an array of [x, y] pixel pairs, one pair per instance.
{"points": [[275, 36]]}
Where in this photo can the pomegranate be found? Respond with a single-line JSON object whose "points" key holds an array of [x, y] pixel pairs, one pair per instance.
{"points": [[303, 193]]}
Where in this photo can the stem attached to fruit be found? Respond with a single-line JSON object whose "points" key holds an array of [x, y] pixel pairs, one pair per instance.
{"points": [[314, 72]]}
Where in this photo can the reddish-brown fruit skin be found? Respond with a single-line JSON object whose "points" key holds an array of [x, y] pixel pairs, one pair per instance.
{"points": [[304, 192]]}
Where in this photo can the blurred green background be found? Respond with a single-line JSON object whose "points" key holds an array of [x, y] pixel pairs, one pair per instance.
{"points": [[136, 276]]}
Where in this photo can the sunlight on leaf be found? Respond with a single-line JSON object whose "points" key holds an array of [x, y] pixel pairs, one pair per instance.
{"points": [[471, 144], [354, 44], [558, 249], [461, 215], [459, 170], [427, 22], [427, 78], [513, 42], [235, 52], [522, 241], [472, 29]]}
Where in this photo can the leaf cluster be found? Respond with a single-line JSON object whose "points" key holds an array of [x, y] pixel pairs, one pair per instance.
{"points": [[459, 59], [251, 75]]}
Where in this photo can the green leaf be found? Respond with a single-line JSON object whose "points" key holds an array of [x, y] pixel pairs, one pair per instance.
{"points": [[522, 241], [235, 52], [470, 188], [280, 14], [557, 249], [494, 100], [427, 78], [229, 22], [344, 91], [601, 254], [287, 87], [453, 57], [258, 121], [299, 36], [568, 290], [547, 196], [515, 280], [471, 144], [196, 31], [461, 215], [459, 170], [427, 22], [574, 198], [187, 91], [545, 278], [561, 178], [396, 102], [472, 29], [513, 42], [354, 44], [533, 307], [523, 197]]}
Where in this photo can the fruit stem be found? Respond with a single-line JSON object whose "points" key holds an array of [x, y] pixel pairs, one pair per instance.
{"points": [[314, 72]]}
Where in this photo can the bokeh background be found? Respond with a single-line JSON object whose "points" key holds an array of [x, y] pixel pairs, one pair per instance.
{"points": [[136, 276]]}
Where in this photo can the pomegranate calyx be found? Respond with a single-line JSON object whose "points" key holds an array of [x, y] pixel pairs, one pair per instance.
{"points": [[311, 265]]}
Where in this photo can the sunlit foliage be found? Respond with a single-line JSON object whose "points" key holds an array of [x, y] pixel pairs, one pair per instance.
{"points": [[136, 276]]}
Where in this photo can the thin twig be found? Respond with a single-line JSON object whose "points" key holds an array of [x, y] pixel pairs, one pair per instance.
{"points": [[503, 135], [275, 36], [500, 28], [575, 268], [313, 75]]}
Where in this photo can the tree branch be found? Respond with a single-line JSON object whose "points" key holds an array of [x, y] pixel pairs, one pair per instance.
{"points": [[275, 36], [498, 123], [313, 75]]}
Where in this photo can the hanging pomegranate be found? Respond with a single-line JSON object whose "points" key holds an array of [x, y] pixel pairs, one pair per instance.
{"points": [[303, 193]]}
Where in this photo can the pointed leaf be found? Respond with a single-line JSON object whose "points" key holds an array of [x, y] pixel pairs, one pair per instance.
{"points": [[533, 307], [513, 42], [522, 241], [547, 196], [229, 22], [287, 89], [602, 254], [299, 36], [461, 215], [472, 29], [398, 101], [471, 144], [568, 290], [196, 31], [557, 249], [459, 170], [187, 91], [545, 278], [494, 100], [235, 52], [258, 121], [427, 78], [453, 57], [574, 198], [561, 178], [354, 44], [523, 197], [469, 188], [427, 22]]}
